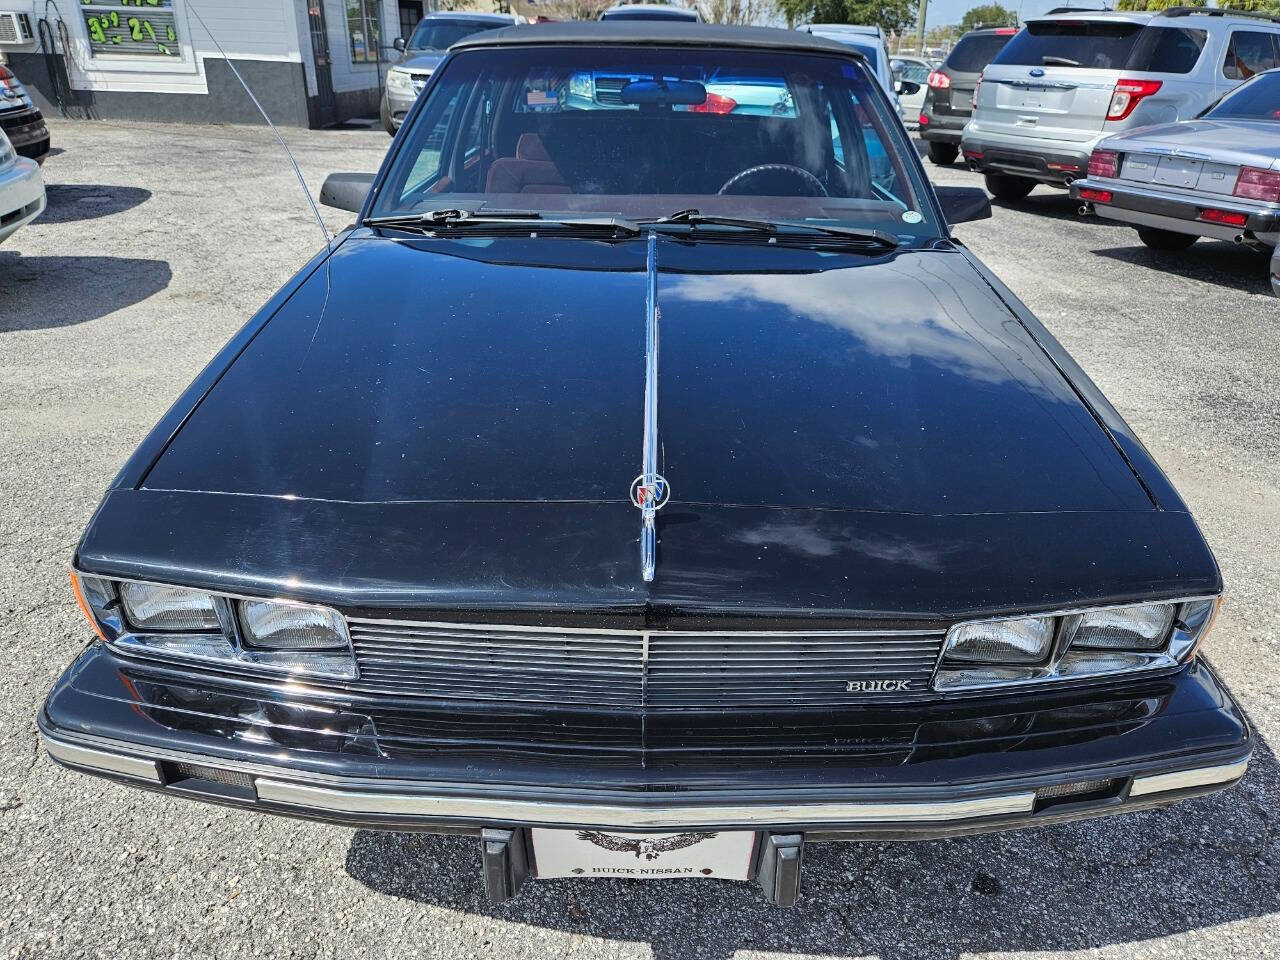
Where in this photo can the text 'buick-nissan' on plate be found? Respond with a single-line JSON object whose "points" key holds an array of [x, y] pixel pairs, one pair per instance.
{"points": [[648, 484]]}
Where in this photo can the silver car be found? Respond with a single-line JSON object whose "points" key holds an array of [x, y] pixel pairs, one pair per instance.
{"points": [[1066, 81], [1216, 176], [422, 52], [22, 196]]}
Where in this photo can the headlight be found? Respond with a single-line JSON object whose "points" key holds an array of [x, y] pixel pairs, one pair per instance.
{"points": [[1143, 627], [153, 606], [399, 81], [291, 626], [1096, 642], [7, 156], [179, 622], [1001, 641]]}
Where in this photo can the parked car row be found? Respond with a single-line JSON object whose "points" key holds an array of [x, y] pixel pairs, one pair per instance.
{"points": [[1168, 121], [435, 33], [24, 144], [20, 119]]}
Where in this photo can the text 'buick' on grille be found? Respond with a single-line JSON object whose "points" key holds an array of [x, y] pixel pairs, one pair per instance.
{"points": [[648, 484]]}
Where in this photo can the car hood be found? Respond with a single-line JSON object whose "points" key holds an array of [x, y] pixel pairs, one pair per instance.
{"points": [[465, 371], [424, 60], [1252, 142]]}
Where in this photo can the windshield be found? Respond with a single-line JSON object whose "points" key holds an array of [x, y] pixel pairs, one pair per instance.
{"points": [[1098, 44], [645, 132], [974, 51], [442, 34], [917, 71], [1256, 99]]}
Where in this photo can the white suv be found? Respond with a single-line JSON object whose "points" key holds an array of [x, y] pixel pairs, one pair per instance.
{"points": [[1069, 79], [21, 190]]}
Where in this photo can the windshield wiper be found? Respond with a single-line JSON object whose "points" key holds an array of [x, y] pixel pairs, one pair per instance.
{"points": [[453, 220], [1051, 61], [777, 229]]}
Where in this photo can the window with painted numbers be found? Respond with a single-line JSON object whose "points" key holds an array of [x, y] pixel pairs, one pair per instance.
{"points": [[133, 28], [364, 30]]}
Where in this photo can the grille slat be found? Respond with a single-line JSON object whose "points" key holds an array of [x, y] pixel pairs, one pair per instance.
{"points": [[631, 670]]}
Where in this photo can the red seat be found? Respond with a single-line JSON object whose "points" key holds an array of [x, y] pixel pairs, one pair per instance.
{"points": [[531, 170]]}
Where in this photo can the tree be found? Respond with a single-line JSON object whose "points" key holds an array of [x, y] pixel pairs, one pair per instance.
{"points": [[891, 16], [1159, 4], [987, 15], [735, 12]]}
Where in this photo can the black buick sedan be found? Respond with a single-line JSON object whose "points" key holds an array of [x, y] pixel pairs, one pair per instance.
{"points": [[648, 484]]}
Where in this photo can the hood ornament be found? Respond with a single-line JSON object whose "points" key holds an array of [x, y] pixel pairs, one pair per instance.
{"points": [[650, 491]]}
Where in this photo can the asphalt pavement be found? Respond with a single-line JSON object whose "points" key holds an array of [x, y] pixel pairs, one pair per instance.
{"points": [[160, 241]]}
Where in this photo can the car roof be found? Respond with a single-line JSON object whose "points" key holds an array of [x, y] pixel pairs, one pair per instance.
{"points": [[655, 33], [842, 28], [1130, 16], [504, 18], [658, 10]]}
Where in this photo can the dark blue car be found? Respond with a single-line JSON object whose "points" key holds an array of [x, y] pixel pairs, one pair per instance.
{"points": [[648, 491]]}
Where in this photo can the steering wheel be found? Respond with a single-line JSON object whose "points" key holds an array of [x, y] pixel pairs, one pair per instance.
{"points": [[808, 179]]}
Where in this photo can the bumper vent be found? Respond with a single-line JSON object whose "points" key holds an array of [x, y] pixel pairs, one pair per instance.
{"points": [[624, 669]]}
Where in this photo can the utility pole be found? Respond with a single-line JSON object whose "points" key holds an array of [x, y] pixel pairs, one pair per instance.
{"points": [[924, 12]]}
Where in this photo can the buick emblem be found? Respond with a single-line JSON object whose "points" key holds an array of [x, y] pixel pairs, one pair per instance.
{"points": [[877, 686], [651, 492]]}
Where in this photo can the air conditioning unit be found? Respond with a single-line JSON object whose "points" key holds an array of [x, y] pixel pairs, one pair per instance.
{"points": [[15, 29]]}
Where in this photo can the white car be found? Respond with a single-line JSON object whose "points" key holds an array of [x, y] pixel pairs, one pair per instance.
{"points": [[21, 190], [916, 71]]}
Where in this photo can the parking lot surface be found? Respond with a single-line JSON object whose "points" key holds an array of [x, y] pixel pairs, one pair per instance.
{"points": [[160, 241]]}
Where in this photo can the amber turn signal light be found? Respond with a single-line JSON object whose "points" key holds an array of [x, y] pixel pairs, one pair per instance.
{"points": [[84, 606]]}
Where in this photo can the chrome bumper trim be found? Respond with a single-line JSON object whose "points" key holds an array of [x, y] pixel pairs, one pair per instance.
{"points": [[115, 763], [436, 802], [626, 815], [1183, 779]]}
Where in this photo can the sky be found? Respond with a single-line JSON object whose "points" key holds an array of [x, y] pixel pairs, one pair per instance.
{"points": [[942, 12]]}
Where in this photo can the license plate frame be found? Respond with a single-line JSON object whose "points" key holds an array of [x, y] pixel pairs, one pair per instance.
{"points": [[722, 854]]}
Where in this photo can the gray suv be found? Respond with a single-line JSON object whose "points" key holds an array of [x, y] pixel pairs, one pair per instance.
{"points": [[420, 54], [1069, 79]]}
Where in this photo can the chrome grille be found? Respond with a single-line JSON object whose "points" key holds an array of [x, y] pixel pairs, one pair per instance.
{"points": [[699, 669], [633, 669], [609, 90], [499, 663]]}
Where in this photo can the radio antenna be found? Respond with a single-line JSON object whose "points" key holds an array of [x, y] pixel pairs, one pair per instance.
{"points": [[328, 240]]}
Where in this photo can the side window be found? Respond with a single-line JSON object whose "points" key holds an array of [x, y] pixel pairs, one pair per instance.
{"points": [[1249, 52], [428, 167], [1169, 50]]}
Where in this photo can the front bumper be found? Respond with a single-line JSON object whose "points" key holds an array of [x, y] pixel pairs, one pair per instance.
{"points": [[919, 770], [396, 107], [1143, 205], [1054, 162], [22, 196]]}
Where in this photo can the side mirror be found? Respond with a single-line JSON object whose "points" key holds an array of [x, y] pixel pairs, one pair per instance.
{"points": [[907, 88], [963, 204], [398, 43], [346, 191]]}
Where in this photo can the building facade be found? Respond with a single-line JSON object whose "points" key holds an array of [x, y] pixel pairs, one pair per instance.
{"points": [[310, 62]]}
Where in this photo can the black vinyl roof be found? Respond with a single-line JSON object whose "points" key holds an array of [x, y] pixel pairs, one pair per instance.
{"points": [[654, 33]]}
